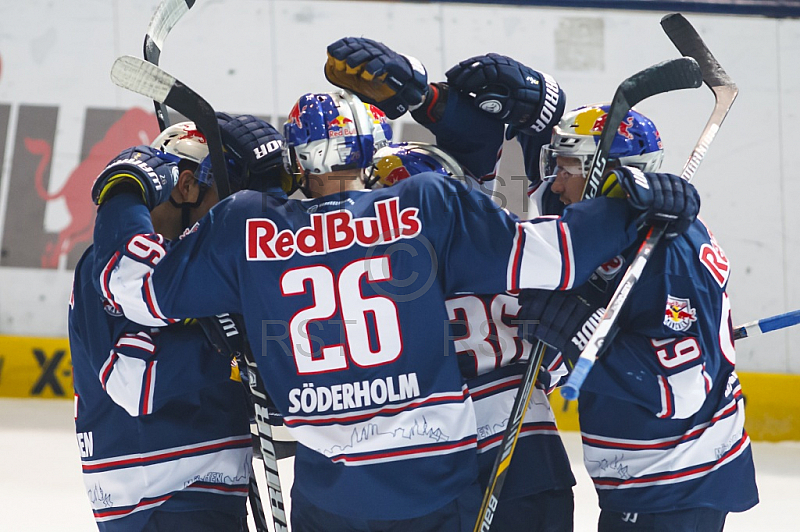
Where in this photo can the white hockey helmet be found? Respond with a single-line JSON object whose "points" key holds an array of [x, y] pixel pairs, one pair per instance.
{"points": [[183, 140], [637, 142]]}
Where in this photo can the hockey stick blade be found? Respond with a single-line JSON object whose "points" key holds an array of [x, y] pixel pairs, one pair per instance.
{"points": [[167, 14], [670, 75], [689, 43], [724, 93], [148, 80], [765, 325]]}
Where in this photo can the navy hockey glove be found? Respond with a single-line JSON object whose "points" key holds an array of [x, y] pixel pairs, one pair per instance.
{"points": [[563, 320], [226, 334], [253, 150], [394, 82], [145, 170], [661, 197], [528, 101]]}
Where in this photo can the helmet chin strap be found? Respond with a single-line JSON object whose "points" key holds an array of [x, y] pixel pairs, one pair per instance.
{"points": [[186, 207], [304, 188]]}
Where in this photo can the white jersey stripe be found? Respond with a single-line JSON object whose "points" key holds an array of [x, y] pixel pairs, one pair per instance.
{"points": [[542, 264], [407, 434]]}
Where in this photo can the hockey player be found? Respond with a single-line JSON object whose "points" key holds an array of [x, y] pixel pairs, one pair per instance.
{"points": [[662, 412], [348, 292], [161, 418], [537, 494]]}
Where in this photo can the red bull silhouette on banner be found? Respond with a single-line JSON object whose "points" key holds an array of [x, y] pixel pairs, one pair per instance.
{"points": [[26, 241]]}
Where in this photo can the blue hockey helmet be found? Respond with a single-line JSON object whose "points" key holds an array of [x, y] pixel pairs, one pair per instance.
{"points": [[332, 131], [395, 162], [637, 142]]}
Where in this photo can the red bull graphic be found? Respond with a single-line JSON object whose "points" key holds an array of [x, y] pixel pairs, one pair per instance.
{"points": [[27, 241], [341, 126], [390, 169], [679, 314], [294, 115], [134, 127], [600, 123], [378, 116], [623, 128]]}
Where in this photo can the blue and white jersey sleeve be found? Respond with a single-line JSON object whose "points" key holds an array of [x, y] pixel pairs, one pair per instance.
{"points": [[475, 235], [192, 280]]}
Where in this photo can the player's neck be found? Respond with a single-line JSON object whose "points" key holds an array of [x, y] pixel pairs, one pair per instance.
{"points": [[167, 220], [334, 182]]}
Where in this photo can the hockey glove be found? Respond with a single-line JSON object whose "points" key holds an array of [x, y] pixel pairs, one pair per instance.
{"points": [[394, 82], [528, 101], [226, 334], [253, 150], [661, 197], [563, 320], [143, 170]]}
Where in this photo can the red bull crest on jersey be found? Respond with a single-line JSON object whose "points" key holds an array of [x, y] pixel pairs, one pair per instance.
{"points": [[679, 314]]}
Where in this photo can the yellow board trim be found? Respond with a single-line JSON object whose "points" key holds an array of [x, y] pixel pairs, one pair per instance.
{"points": [[35, 367], [771, 407], [41, 367]]}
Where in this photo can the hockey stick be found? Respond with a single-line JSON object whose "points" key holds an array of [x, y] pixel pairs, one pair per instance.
{"points": [[167, 14], [266, 442], [689, 43], [765, 325], [666, 76], [149, 80]]}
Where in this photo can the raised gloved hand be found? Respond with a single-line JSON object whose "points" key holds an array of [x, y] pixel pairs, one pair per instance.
{"points": [[661, 197], [528, 101], [141, 170], [253, 149], [564, 320], [393, 82]]}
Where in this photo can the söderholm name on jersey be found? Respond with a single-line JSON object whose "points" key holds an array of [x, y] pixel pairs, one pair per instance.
{"points": [[349, 395], [332, 231]]}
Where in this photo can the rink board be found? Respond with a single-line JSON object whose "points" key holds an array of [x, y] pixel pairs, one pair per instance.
{"points": [[41, 367]]}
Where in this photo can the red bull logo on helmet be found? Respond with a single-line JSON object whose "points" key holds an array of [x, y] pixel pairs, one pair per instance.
{"points": [[378, 116], [623, 128], [679, 314], [294, 115], [191, 132], [390, 169], [600, 123], [341, 126]]}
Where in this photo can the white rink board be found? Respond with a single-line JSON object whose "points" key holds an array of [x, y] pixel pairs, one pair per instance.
{"points": [[258, 56]]}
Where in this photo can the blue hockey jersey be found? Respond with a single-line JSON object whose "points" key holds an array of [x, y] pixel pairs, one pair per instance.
{"points": [[494, 357], [159, 422], [662, 413], [343, 298]]}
